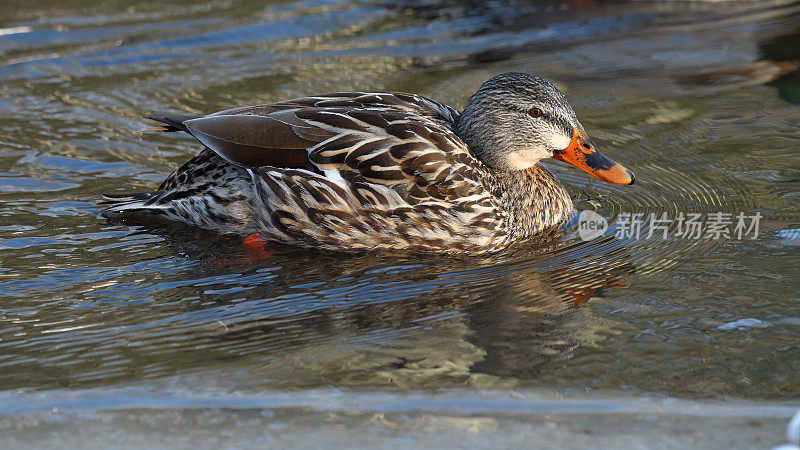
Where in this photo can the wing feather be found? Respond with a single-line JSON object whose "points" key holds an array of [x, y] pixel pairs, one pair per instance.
{"points": [[401, 141]]}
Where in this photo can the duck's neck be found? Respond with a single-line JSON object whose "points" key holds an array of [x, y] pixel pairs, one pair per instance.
{"points": [[533, 199]]}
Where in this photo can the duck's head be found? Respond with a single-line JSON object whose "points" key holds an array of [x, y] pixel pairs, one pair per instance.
{"points": [[515, 120]]}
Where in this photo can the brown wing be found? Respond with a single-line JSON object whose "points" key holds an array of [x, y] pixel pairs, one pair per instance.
{"points": [[279, 139], [399, 140]]}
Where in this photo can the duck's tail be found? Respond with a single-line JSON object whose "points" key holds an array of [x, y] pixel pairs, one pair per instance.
{"points": [[147, 201], [139, 201], [170, 122], [206, 191]]}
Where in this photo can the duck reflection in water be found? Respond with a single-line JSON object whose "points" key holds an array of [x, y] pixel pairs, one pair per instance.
{"points": [[402, 320]]}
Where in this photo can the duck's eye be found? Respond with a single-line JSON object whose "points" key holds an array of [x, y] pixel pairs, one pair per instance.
{"points": [[536, 112]]}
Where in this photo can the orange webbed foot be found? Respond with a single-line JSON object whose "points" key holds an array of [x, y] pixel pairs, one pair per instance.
{"points": [[254, 243]]}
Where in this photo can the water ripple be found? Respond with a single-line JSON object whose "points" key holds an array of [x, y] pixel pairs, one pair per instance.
{"points": [[90, 303]]}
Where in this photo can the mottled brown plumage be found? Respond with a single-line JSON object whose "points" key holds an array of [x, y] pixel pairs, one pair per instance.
{"points": [[351, 171]]}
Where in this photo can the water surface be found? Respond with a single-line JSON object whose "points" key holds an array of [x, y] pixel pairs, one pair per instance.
{"points": [[700, 101]]}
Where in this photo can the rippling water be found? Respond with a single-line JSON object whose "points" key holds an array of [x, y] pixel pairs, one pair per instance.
{"points": [[700, 101]]}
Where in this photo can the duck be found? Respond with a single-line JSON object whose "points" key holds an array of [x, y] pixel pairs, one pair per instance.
{"points": [[356, 171]]}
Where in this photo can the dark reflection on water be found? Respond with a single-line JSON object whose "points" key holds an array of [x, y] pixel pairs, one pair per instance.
{"points": [[511, 315], [699, 100]]}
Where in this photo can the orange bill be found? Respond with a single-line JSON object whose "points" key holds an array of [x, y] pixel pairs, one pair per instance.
{"points": [[581, 153]]}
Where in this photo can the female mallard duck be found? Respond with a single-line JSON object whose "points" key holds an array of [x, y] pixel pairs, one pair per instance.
{"points": [[382, 170]]}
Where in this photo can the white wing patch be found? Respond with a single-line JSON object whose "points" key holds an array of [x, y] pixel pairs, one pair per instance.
{"points": [[335, 176]]}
